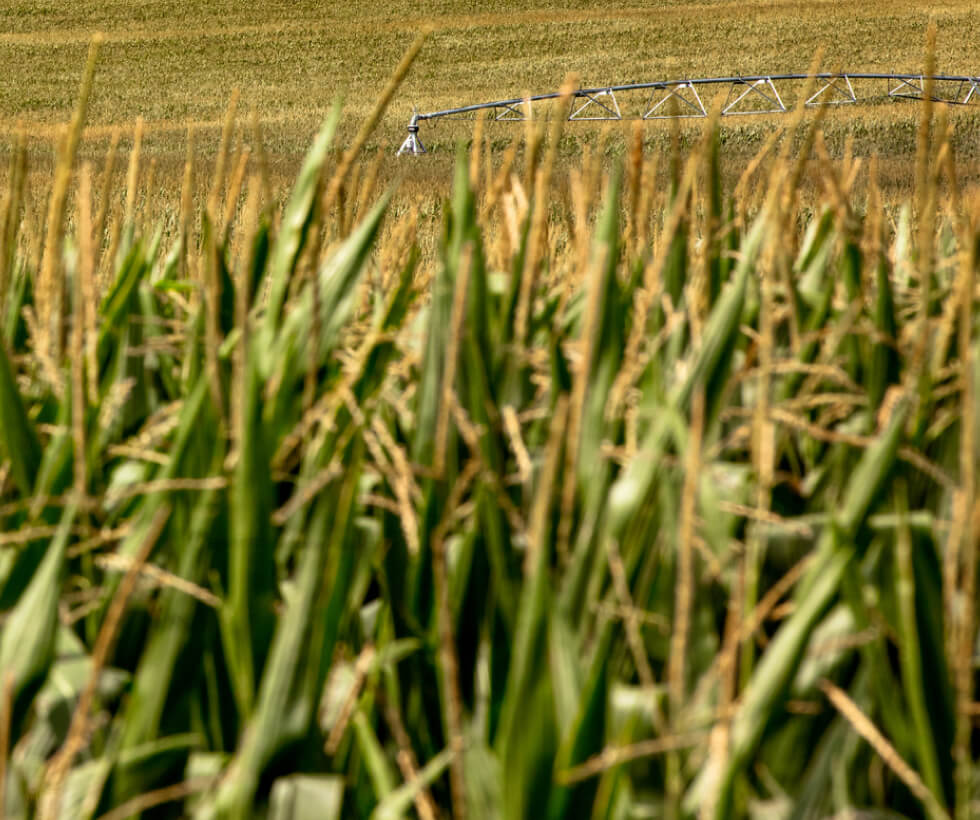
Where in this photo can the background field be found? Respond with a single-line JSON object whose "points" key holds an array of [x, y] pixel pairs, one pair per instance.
{"points": [[176, 64]]}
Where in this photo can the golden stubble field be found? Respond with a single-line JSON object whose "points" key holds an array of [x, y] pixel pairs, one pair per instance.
{"points": [[177, 65]]}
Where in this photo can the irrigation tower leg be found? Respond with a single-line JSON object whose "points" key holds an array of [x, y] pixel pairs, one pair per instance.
{"points": [[412, 145]]}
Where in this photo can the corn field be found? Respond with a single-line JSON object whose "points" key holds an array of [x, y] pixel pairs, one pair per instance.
{"points": [[608, 500]]}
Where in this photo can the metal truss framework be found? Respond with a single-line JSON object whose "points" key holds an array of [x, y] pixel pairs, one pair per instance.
{"points": [[669, 99]]}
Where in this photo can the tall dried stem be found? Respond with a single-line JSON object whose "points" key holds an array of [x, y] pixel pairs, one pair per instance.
{"points": [[684, 590], [51, 284]]}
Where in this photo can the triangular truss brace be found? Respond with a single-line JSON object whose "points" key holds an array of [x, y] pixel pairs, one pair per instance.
{"points": [[753, 90], [912, 89], [835, 91], [967, 89], [507, 112], [688, 102], [605, 106], [973, 90]]}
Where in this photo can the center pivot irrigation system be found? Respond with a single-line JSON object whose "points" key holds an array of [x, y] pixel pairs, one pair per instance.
{"points": [[746, 95]]}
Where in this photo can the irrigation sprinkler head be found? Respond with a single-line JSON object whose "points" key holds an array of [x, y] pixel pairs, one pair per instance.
{"points": [[412, 144]]}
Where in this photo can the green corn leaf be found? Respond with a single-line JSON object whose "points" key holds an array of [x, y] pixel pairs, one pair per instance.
{"points": [[527, 739], [610, 334], [458, 230], [885, 363], [586, 733], [295, 224], [18, 441], [817, 590], [168, 636], [718, 335], [379, 768], [337, 280], [19, 295], [251, 568], [627, 495], [118, 302], [28, 637], [294, 664]]}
